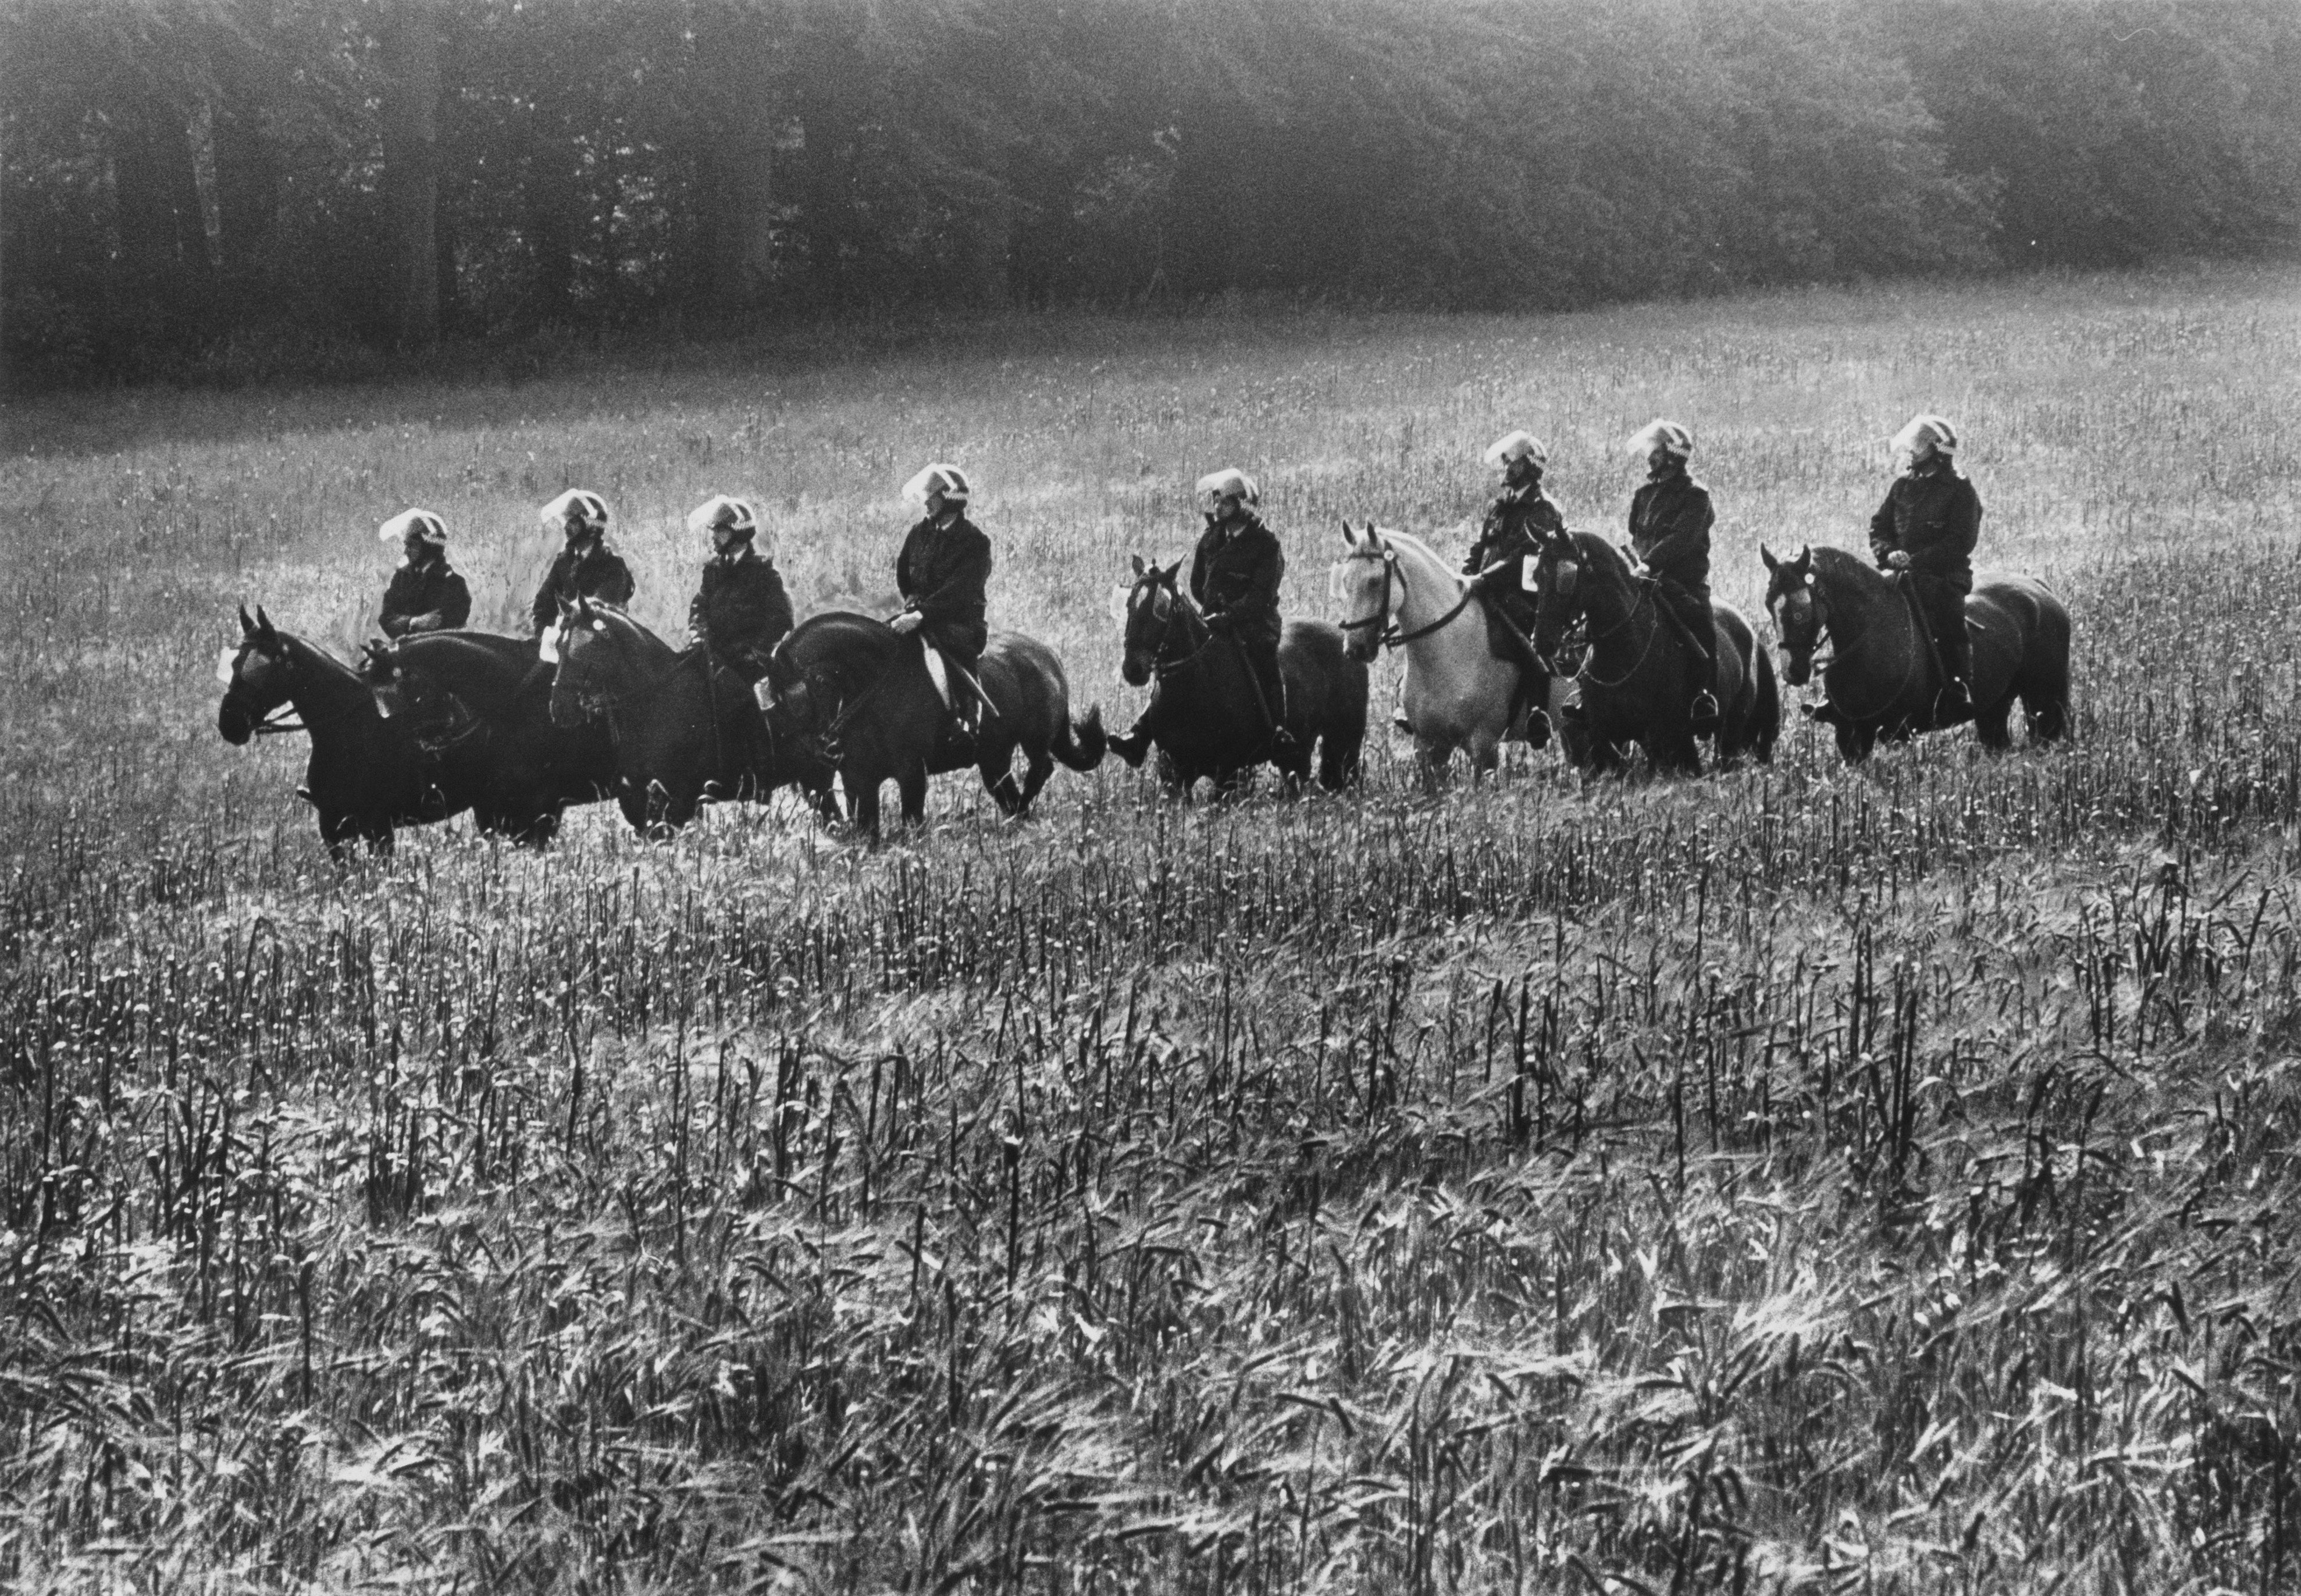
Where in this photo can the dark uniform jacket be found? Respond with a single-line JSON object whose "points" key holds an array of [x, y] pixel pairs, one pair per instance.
{"points": [[427, 597], [944, 572], [1235, 572], [741, 613], [1670, 519], [599, 574], [1514, 521], [1933, 514]]}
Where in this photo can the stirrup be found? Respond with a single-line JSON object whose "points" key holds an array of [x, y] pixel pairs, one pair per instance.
{"points": [[1702, 715]]}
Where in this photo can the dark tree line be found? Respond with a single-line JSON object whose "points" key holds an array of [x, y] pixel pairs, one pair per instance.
{"points": [[180, 173]]}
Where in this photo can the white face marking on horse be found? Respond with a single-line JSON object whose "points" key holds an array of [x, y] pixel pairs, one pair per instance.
{"points": [[226, 663]]}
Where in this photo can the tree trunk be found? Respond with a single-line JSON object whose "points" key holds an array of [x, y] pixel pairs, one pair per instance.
{"points": [[163, 240], [735, 177], [551, 207], [247, 169], [411, 166]]}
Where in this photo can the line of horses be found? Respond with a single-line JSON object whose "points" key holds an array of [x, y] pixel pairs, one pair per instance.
{"points": [[516, 732]]}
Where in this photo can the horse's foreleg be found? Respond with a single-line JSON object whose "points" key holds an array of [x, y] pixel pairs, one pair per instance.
{"points": [[1039, 764], [912, 787]]}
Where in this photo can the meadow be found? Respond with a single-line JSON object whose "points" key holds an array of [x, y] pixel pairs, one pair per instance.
{"points": [[1800, 1179]]}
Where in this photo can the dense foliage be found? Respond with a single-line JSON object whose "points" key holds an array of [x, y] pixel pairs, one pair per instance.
{"points": [[236, 176]]}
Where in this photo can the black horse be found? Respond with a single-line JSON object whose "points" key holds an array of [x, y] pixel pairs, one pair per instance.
{"points": [[683, 730], [1206, 716], [858, 692], [480, 707], [1636, 680], [366, 776], [1032, 697], [1884, 679]]}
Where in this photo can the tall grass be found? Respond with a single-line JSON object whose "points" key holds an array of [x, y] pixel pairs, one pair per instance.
{"points": [[1804, 1179]]}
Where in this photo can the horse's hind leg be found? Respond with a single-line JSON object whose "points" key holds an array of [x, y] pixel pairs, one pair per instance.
{"points": [[1039, 764], [1989, 726], [1338, 763]]}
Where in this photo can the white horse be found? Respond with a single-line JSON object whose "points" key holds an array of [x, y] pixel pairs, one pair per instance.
{"points": [[1395, 592]]}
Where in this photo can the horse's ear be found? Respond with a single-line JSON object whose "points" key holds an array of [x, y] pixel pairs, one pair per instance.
{"points": [[1805, 562], [1171, 570], [584, 605], [264, 630], [247, 626], [1767, 555], [1349, 535], [1138, 566]]}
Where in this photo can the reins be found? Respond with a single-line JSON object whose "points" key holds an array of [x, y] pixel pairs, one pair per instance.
{"points": [[1390, 637]]}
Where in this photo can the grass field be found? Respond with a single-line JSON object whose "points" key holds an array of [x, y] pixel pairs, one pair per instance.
{"points": [[1797, 1179]]}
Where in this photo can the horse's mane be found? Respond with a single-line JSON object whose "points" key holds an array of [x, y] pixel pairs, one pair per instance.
{"points": [[1595, 550], [1845, 563], [1413, 545], [311, 650]]}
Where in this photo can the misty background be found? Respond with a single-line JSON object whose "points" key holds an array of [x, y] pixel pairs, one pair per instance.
{"points": [[211, 189]]}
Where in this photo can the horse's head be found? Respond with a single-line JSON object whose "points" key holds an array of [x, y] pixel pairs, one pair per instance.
{"points": [[1560, 573], [1146, 609], [1795, 601], [258, 675], [1365, 584], [590, 665]]}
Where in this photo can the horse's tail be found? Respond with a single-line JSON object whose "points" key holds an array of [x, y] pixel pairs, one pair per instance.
{"points": [[1766, 715], [1081, 744]]}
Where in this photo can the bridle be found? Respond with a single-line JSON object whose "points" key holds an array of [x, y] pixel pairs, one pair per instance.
{"points": [[270, 724], [1839, 653], [1644, 592], [1389, 636], [1160, 666]]}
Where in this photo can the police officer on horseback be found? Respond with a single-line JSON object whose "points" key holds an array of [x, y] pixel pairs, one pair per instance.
{"points": [[586, 567], [1670, 518], [943, 572], [740, 612], [426, 593], [1925, 532], [1522, 515], [1234, 576]]}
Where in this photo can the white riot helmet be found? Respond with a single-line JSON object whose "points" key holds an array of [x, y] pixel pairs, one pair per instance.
{"points": [[1512, 446], [423, 523], [587, 507], [943, 477], [1228, 483], [718, 511], [1926, 427], [1662, 435]]}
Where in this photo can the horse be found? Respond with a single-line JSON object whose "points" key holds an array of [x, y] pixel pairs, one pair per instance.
{"points": [[1025, 682], [684, 730], [1882, 679], [1397, 593], [855, 692], [1637, 682], [1205, 718], [480, 704], [366, 776]]}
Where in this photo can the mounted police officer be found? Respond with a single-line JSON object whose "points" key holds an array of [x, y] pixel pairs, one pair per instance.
{"points": [[740, 612], [1926, 531], [426, 593], [1522, 515], [1234, 576], [1670, 518], [586, 567], [943, 573]]}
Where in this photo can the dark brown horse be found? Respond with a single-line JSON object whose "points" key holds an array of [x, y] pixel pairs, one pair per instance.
{"points": [[366, 776], [479, 705], [855, 693], [1882, 679], [684, 731], [1206, 716], [1636, 680], [1025, 681]]}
